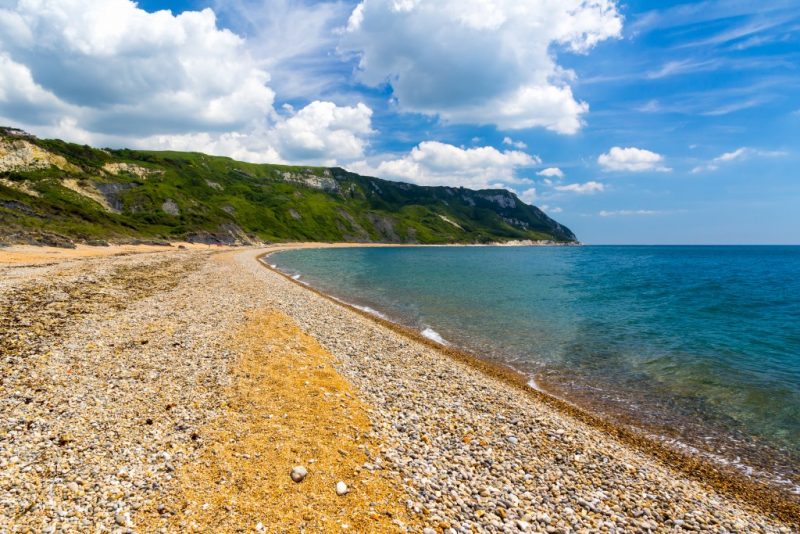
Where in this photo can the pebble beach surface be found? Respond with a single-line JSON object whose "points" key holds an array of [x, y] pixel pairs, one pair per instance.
{"points": [[117, 375]]}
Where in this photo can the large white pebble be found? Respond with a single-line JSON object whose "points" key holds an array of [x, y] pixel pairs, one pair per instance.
{"points": [[299, 473]]}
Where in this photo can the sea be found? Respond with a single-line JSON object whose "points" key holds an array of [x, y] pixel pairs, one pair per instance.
{"points": [[696, 346]]}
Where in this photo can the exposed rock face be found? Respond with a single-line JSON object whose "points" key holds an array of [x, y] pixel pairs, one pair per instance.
{"points": [[89, 191], [113, 193], [225, 234], [516, 222], [504, 201], [129, 168], [19, 186], [352, 230], [293, 213], [22, 155], [450, 221], [385, 225], [309, 179], [171, 208]]}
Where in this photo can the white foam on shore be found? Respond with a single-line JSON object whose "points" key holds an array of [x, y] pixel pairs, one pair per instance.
{"points": [[273, 265], [295, 277], [533, 385], [433, 335], [371, 311]]}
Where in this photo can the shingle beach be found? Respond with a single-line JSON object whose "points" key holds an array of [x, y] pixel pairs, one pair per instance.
{"points": [[186, 390]]}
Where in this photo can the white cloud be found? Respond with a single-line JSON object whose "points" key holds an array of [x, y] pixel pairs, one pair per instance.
{"points": [[632, 159], [550, 209], [117, 69], [551, 172], [294, 40], [627, 213], [583, 189], [516, 144], [480, 61], [730, 156], [321, 133], [106, 72], [240, 146], [735, 155], [324, 132], [528, 196], [435, 163]]}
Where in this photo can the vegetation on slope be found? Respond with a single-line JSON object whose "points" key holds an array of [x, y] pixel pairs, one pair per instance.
{"points": [[56, 192]]}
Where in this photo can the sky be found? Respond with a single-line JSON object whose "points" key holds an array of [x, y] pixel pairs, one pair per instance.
{"points": [[649, 122]]}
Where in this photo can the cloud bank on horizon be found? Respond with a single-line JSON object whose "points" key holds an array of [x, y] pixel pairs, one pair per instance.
{"points": [[561, 101]]}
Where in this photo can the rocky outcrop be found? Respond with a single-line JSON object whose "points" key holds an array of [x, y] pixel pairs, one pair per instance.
{"points": [[128, 168], [503, 200], [19, 186], [89, 191], [309, 179], [450, 221], [113, 193], [20, 155], [171, 208]]}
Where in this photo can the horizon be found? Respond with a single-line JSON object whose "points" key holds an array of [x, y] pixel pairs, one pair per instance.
{"points": [[644, 123]]}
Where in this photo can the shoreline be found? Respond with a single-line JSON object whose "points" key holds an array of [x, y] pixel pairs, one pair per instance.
{"points": [[727, 480], [175, 391]]}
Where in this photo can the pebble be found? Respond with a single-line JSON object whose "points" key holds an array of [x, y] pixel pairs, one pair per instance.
{"points": [[299, 473], [341, 488]]}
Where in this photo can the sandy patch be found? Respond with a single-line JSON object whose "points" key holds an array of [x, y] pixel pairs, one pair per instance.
{"points": [[288, 407]]}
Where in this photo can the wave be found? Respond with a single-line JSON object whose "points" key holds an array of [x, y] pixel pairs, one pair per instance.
{"points": [[533, 385], [371, 311], [433, 335]]}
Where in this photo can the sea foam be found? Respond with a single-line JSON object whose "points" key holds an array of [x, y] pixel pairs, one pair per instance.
{"points": [[371, 311], [433, 335]]}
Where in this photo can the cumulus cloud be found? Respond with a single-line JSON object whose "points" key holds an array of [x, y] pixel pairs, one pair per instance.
{"points": [[117, 69], [106, 72], [480, 61], [632, 159], [582, 189], [435, 163], [321, 133], [324, 132], [551, 172]]}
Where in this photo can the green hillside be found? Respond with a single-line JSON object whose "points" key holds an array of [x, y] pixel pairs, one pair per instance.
{"points": [[52, 192]]}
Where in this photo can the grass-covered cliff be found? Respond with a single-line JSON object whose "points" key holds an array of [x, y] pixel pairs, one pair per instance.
{"points": [[56, 192]]}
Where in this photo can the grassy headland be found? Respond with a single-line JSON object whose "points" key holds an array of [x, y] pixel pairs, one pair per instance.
{"points": [[53, 192]]}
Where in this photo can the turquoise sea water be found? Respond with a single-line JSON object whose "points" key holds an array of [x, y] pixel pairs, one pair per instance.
{"points": [[697, 345]]}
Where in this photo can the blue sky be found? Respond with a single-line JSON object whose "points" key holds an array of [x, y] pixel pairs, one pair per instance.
{"points": [[636, 122]]}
